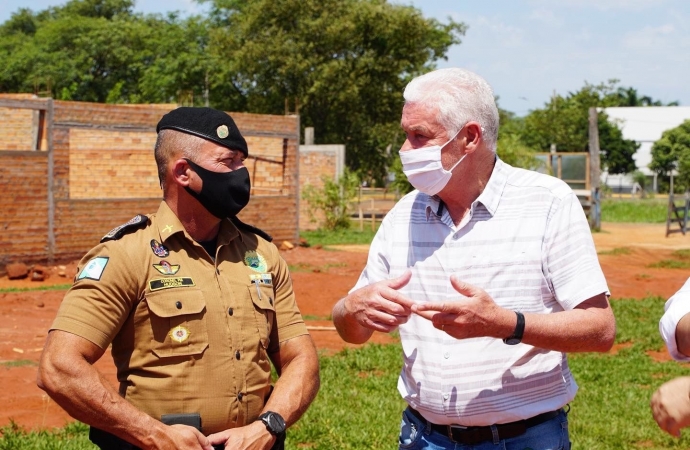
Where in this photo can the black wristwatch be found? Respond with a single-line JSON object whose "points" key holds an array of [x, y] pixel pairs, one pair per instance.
{"points": [[516, 337], [274, 423]]}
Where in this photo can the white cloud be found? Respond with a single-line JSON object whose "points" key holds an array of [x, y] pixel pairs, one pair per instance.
{"points": [[649, 38], [545, 16], [604, 5]]}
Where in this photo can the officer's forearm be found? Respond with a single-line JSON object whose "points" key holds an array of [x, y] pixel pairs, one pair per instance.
{"points": [[66, 373], [298, 365]]}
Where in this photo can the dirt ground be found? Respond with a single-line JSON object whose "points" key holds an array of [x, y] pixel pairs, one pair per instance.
{"points": [[320, 278]]}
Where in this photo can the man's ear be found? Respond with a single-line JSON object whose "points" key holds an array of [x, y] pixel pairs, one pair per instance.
{"points": [[181, 172], [474, 135]]}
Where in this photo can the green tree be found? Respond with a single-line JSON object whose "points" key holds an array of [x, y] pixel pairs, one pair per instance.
{"points": [[342, 63], [564, 122], [673, 151]]}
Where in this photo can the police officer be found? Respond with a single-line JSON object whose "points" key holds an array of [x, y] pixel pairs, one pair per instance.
{"points": [[195, 304]]}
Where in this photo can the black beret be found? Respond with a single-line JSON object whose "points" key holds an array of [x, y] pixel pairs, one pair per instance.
{"points": [[207, 123]]}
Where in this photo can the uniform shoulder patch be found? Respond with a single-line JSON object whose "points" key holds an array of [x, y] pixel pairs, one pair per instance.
{"points": [[250, 228], [132, 224]]}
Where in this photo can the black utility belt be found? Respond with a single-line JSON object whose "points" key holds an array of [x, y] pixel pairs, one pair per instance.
{"points": [[476, 435]]}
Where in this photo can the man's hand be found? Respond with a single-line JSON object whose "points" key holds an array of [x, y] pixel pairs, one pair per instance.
{"points": [[671, 405], [474, 316], [186, 437], [380, 306], [254, 436]]}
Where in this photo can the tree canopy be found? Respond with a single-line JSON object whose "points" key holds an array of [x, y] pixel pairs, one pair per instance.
{"points": [[341, 64], [671, 152]]}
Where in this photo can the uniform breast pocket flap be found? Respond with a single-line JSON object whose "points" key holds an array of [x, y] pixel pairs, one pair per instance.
{"points": [[177, 322], [263, 298]]}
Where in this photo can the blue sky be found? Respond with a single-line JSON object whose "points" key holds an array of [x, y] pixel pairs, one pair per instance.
{"points": [[529, 49]]}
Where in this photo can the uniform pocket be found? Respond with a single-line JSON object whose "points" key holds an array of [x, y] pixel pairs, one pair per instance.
{"points": [[177, 322], [263, 298]]}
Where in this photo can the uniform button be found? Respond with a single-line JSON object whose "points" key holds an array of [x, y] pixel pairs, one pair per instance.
{"points": [[179, 305], [239, 396], [230, 311], [237, 354], [446, 355]]}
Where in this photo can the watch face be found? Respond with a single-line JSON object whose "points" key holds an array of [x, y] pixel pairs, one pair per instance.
{"points": [[274, 423]]}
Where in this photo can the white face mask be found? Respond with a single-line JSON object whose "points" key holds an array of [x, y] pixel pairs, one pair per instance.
{"points": [[424, 169]]}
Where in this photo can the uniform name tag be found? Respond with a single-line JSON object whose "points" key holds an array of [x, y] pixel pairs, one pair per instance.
{"points": [[167, 283]]}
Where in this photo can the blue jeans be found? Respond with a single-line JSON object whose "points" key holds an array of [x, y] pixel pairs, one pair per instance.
{"points": [[415, 434]]}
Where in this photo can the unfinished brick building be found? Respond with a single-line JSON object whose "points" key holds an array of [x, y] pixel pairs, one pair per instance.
{"points": [[71, 171]]}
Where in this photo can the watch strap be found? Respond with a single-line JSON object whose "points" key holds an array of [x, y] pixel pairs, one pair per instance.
{"points": [[516, 337]]}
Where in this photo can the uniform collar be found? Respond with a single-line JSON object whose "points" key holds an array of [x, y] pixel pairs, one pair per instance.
{"points": [[490, 196], [168, 224]]}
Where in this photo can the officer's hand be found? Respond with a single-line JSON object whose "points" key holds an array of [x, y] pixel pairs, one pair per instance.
{"points": [[671, 405], [474, 314], [184, 437], [254, 436], [380, 306]]}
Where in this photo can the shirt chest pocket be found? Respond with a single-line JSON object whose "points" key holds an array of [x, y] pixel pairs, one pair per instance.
{"points": [[177, 322], [263, 299]]}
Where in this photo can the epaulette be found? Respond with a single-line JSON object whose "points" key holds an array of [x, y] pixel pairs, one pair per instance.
{"points": [[131, 225], [252, 229]]}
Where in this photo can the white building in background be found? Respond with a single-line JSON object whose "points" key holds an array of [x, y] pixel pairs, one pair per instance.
{"points": [[645, 125]]}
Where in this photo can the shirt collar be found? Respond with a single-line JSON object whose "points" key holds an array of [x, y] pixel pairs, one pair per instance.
{"points": [[169, 224], [490, 196]]}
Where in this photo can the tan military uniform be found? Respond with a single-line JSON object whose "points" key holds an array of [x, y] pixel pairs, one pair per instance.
{"points": [[188, 335]]}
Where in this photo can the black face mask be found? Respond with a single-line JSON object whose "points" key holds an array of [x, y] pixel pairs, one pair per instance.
{"points": [[222, 194]]}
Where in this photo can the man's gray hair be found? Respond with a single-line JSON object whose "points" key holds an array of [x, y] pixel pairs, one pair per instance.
{"points": [[460, 96], [172, 144]]}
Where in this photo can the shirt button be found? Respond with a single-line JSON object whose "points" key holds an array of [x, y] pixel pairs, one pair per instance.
{"points": [[237, 354], [230, 311], [445, 396], [178, 305], [239, 396], [446, 355]]}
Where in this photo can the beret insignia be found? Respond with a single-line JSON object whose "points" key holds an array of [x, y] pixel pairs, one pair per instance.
{"points": [[132, 224], [222, 131]]}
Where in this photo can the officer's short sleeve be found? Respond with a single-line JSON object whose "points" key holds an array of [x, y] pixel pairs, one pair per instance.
{"points": [[102, 296], [675, 309], [289, 321]]}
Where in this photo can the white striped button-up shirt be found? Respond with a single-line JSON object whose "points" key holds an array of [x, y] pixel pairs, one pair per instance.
{"points": [[525, 241], [675, 309]]}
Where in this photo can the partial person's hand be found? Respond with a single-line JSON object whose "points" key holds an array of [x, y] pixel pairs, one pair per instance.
{"points": [[671, 405], [380, 306], [254, 436], [475, 315], [185, 437]]}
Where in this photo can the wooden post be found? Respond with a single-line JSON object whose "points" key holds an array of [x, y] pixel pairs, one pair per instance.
{"points": [[594, 169], [361, 219]]}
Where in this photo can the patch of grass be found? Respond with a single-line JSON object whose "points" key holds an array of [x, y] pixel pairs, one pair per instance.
{"points": [[351, 236], [54, 287], [74, 436], [648, 210], [670, 264], [18, 363], [683, 254], [358, 406], [313, 317], [617, 251]]}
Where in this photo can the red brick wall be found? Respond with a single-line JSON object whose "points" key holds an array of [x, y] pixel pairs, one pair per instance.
{"points": [[317, 161], [104, 174]]}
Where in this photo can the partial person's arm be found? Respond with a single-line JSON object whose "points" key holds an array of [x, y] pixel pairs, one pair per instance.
{"points": [[683, 335], [589, 327], [297, 364], [377, 307], [67, 374]]}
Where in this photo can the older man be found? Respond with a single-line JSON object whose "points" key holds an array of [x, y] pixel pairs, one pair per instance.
{"points": [[671, 402], [196, 305], [489, 272]]}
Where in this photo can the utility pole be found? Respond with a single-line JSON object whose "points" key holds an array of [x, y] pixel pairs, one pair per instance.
{"points": [[594, 169]]}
